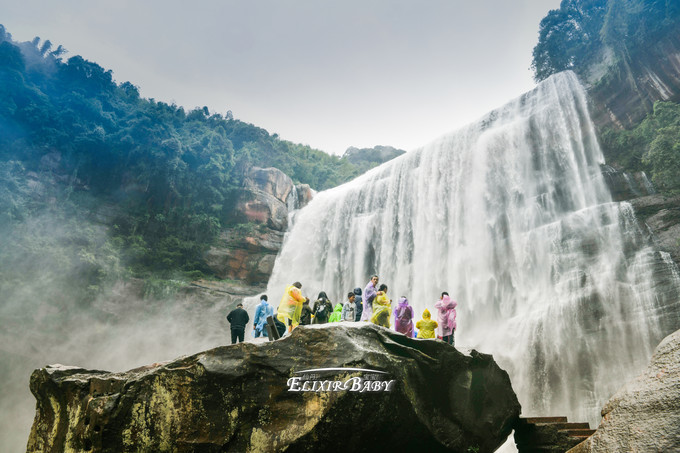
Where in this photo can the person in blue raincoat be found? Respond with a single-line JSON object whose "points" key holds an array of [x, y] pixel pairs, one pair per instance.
{"points": [[262, 311]]}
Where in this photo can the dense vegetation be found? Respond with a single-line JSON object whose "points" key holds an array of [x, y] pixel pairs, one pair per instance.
{"points": [[582, 34], [74, 145], [371, 157], [576, 35], [653, 146]]}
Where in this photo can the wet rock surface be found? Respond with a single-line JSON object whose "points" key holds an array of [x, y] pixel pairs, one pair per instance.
{"points": [[237, 398], [623, 93], [661, 215], [644, 415]]}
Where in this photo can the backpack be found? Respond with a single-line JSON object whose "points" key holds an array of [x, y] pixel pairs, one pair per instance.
{"points": [[321, 309]]}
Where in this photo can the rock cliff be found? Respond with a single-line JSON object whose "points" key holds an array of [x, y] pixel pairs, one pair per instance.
{"points": [[366, 387], [624, 90], [247, 252]]}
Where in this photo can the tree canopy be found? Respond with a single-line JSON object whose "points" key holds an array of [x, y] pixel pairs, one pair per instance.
{"points": [[575, 35]]}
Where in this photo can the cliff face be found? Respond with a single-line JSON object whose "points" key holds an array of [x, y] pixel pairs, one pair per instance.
{"points": [[247, 254], [624, 91], [355, 384]]}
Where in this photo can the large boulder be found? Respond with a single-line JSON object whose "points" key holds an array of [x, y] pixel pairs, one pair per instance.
{"points": [[270, 180], [256, 206], [264, 198], [345, 386], [644, 415]]}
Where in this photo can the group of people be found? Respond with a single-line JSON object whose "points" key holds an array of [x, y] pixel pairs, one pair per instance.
{"points": [[371, 304]]}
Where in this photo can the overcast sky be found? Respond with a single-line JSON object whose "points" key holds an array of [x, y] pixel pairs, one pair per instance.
{"points": [[330, 74]]}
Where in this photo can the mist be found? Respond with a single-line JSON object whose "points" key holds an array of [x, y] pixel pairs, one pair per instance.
{"points": [[48, 316]]}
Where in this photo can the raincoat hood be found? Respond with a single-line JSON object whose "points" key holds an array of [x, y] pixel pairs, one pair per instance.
{"points": [[403, 301], [426, 314], [446, 300]]}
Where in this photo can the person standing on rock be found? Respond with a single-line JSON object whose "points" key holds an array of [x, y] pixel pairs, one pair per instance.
{"points": [[426, 326], [306, 313], [350, 308], [322, 309], [369, 294], [358, 304], [403, 317], [382, 308], [262, 311], [238, 319], [446, 316], [290, 307], [336, 316]]}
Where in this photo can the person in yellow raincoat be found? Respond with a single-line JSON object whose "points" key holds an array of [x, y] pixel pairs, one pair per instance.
{"points": [[290, 307], [382, 308], [426, 326]]}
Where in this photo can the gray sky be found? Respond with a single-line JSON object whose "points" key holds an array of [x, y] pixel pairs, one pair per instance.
{"points": [[331, 74]]}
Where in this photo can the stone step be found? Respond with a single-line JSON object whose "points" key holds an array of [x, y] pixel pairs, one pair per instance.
{"points": [[578, 432], [569, 425], [549, 434], [536, 420]]}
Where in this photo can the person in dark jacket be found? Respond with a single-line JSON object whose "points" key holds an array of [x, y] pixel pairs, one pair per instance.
{"points": [[238, 319], [306, 314], [280, 327], [359, 304], [322, 309]]}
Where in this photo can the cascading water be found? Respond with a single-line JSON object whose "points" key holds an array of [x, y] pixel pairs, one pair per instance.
{"points": [[512, 217]]}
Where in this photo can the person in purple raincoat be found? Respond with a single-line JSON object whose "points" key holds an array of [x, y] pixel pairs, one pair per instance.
{"points": [[403, 317], [369, 294], [446, 317]]}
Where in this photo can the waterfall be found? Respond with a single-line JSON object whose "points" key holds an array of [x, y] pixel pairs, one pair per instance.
{"points": [[512, 217]]}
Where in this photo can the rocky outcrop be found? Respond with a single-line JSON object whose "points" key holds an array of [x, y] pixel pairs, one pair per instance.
{"points": [[214, 291], [355, 384], [644, 415], [661, 215], [269, 180], [247, 251], [264, 198], [245, 254], [260, 207], [624, 91], [304, 195], [625, 186]]}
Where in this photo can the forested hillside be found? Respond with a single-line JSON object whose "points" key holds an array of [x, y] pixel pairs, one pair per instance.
{"points": [[623, 49], [159, 181], [582, 32]]}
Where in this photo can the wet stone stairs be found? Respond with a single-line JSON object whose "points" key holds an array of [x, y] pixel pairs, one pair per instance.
{"points": [[549, 434]]}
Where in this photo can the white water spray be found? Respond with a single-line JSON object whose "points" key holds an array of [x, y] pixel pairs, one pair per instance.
{"points": [[512, 217]]}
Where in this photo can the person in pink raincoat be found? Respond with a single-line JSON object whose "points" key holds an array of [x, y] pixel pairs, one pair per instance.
{"points": [[446, 317], [403, 317]]}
